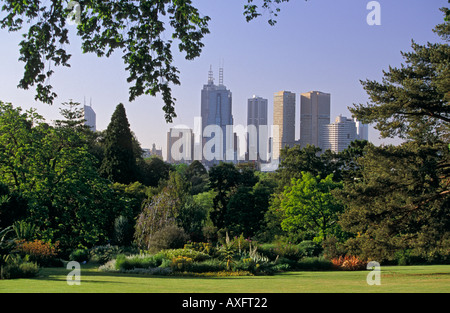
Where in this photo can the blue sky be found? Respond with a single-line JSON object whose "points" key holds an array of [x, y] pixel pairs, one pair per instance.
{"points": [[323, 45]]}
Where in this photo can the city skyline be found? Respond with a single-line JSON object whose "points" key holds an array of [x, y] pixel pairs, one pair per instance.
{"points": [[316, 45]]}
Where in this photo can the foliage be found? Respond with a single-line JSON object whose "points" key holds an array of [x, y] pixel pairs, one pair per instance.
{"points": [[168, 237], [80, 255], [43, 253], [349, 263], [119, 162], [18, 267], [103, 254], [24, 230], [309, 205], [67, 199], [123, 231]]}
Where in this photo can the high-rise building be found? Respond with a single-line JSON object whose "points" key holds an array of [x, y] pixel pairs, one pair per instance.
{"points": [[362, 130], [283, 121], [89, 117], [338, 135], [314, 116], [256, 116], [216, 112]]}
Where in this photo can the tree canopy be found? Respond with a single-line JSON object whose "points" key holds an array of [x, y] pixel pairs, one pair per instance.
{"points": [[144, 32]]}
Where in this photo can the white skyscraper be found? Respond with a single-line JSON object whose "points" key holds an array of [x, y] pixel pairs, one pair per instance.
{"points": [[338, 135], [90, 117]]}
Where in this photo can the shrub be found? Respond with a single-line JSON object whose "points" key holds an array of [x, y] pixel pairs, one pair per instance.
{"points": [[103, 254], [169, 237], [41, 252], [189, 253], [181, 264], [18, 267], [314, 264], [123, 231], [126, 263], [79, 255], [204, 247], [349, 263], [309, 248]]}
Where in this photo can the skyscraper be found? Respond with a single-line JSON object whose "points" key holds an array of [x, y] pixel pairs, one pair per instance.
{"points": [[362, 130], [256, 116], [89, 117], [216, 112], [314, 116], [283, 121], [338, 135]]}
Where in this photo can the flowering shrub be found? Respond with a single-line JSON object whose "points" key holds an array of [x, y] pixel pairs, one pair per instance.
{"points": [[181, 263], [349, 263], [43, 253]]}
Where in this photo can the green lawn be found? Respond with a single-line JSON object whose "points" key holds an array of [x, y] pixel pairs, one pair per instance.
{"points": [[434, 279]]}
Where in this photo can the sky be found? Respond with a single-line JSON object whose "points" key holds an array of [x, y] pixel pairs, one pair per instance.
{"points": [[323, 45]]}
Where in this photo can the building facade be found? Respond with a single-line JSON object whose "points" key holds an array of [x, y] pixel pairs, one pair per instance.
{"points": [[89, 117], [338, 135], [314, 116], [216, 113], [257, 115], [283, 121]]}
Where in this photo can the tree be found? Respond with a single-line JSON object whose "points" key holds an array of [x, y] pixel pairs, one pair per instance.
{"points": [[296, 160], [308, 205], [412, 101], [400, 201], [119, 162], [53, 171], [162, 211], [137, 28]]}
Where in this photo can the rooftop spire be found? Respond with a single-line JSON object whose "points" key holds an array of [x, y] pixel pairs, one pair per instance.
{"points": [[210, 76]]}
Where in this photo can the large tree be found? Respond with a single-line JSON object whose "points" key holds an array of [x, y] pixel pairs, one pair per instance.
{"points": [[400, 201], [119, 162], [143, 31], [309, 206], [52, 169]]}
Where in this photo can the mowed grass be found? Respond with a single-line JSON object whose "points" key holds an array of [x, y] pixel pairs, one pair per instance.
{"points": [[423, 279]]}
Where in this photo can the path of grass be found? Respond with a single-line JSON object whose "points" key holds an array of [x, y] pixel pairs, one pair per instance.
{"points": [[434, 279]]}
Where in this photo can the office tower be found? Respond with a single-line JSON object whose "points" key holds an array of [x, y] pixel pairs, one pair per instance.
{"points": [[216, 112], [314, 116], [256, 116], [180, 147], [283, 121], [89, 117], [362, 130], [338, 135]]}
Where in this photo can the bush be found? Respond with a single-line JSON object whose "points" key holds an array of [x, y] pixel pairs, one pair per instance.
{"points": [[314, 264], [18, 267], [309, 248], [79, 255], [349, 263], [170, 237], [103, 254], [189, 253], [123, 231], [43, 253], [126, 263]]}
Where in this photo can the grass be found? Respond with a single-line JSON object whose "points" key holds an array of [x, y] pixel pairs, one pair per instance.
{"points": [[394, 279]]}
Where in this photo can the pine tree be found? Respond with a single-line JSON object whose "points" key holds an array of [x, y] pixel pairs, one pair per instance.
{"points": [[119, 162]]}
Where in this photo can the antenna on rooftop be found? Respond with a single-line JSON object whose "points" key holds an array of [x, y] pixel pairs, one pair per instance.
{"points": [[221, 74], [210, 75]]}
